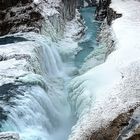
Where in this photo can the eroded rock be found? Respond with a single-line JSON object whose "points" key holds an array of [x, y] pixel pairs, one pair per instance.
{"points": [[9, 136], [104, 11], [112, 131], [19, 16]]}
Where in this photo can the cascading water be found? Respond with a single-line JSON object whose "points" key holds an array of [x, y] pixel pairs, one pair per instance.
{"points": [[35, 105]]}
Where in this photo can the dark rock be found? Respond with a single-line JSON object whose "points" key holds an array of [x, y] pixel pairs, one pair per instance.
{"points": [[69, 11], [25, 16], [19, 16], [2, 15], [80, 4], [135, 137], [4, 4], [3, 115], [7, 92], [5, 27], [132, 130], [112, 15], [103, 11], [26, 1], [91, 2], [112, 131], [20, 56], [34, 15], [11, 39], [125, 126]]}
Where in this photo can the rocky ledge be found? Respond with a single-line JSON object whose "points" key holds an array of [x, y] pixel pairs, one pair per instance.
{"points": [[104, 11]]}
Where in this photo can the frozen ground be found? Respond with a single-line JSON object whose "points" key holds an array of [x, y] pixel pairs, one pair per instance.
{"points": [[113, 87]]}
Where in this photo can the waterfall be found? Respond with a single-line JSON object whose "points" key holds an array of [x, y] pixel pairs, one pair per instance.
{"points": [[34, 83], [37, 106]]}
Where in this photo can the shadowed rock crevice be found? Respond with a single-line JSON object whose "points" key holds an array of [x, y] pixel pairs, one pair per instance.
{"points": [[69, 11], [112, 15], [19, 16], [104, 11]]}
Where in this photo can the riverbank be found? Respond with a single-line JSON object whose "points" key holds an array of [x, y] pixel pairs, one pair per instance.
{"points": [[112, 88]]}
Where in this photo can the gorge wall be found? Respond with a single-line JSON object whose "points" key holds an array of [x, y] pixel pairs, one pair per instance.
{"points": [[104, 11], [19, 16], [49, 18], [22, 16], [125, 125], [28, 15]]}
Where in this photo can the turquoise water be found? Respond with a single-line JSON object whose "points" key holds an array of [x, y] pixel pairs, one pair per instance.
{"points": [[11, 39], [88, 41]]}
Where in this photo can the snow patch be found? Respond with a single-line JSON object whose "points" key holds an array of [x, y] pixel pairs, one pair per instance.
{"points": [[73, 32], [99, 95]]}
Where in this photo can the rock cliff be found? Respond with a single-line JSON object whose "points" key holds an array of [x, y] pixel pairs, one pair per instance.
{"points": [[27, 15], [19, 16], [126, 125], [104, 11]]}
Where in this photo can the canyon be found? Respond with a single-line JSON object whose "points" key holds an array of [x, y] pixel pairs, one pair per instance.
{"points": [[69, 70]]}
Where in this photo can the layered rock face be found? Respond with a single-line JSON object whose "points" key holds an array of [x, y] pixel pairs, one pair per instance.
{"points": [[112, 131], [26, 15], [104, 11], [70, 6], [19, 16], [56, 14], [101, 9]]}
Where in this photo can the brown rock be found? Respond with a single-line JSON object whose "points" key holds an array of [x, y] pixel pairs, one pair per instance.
{"points": [[112, 131], [135, 137]]}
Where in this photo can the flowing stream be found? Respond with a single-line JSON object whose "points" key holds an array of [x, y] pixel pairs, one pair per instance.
{"points": [[37, 106], [88, 41]]}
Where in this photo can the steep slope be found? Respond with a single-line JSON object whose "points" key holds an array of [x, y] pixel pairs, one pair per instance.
{"points": [[107, 95], [33, 96]]}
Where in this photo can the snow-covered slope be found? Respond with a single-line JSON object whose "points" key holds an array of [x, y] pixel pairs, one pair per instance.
{"points": [[99, 95]]}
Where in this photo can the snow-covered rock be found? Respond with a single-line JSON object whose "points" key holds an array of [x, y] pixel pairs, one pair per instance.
{"points": [[19, 16], [9, 136], [112, 88]]}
